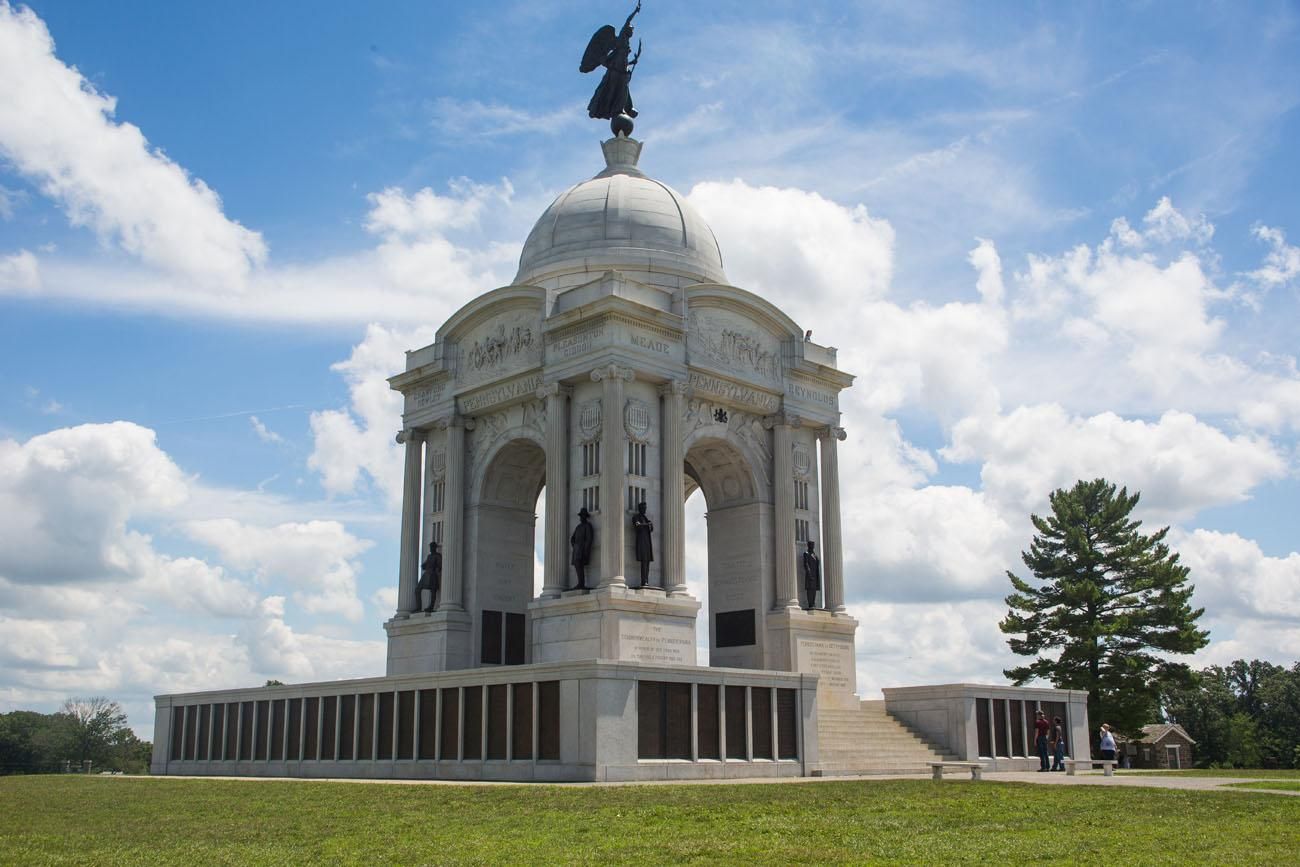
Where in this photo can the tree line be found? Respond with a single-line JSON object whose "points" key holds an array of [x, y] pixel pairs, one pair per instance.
{"points": [[1241, 715], [85, 734]]}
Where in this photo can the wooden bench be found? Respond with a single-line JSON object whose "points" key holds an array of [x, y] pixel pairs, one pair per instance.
{"points": [[1107, 766], [975, 768]]}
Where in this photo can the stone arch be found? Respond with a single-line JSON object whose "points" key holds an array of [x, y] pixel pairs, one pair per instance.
{"points": [[740, 566], [501, 518]]}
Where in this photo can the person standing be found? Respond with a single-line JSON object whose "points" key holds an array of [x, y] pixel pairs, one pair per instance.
{"points": [[1041, 729], [1107, 743], [1058, 745]]}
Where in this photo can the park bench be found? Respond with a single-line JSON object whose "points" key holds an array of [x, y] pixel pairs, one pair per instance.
{"points": [[1107, 766], [975, 768]]}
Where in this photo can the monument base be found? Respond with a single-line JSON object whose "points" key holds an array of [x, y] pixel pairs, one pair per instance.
{"points": [[423, 643], [820, 643], [614, 622]]}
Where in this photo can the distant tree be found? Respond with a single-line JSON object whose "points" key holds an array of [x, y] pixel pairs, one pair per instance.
{"points": [[1244, 714], [96, 721], [274, 682], [1108, 607]]}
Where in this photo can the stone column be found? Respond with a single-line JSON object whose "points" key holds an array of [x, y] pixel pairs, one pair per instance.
{"points": [[613, 526], [412, 482], [557, 487], [673, 536], [453, 520], [832, 544], [783, 518]]}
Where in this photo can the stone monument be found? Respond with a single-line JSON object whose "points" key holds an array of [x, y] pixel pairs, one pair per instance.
{"points": [[619, 372]]}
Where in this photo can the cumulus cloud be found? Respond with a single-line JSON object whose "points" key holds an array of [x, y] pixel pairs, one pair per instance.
{"points": [[795, 247], [1181, 465], [319, 558], [59, 131], [360, 439], [1281, 265], [20, 272]]}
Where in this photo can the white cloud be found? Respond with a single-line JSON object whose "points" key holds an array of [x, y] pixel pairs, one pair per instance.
{"points": [[20, 272], [1232, 574], [67, 496], [58, 130], [1281, 265], [318, 558], [798, 249], [360, 438], [1180, 464], [264, 433], [1166, 224]]}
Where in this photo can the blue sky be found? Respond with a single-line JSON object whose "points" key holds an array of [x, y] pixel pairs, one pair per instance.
{"points": [[1053, 241]]}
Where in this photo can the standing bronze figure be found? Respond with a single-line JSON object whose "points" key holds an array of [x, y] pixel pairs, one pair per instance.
{"points": [[430, 577], [812, 575], [642, 526], [580, 544], [612, 100]]}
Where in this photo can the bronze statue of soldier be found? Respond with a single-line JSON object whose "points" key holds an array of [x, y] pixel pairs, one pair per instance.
{"points": [[580, 545], [642, 527], [430, 578], [812, 575]]}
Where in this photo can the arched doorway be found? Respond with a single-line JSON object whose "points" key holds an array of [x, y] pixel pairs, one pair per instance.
{"points": [[501, 524], [738, 521]]}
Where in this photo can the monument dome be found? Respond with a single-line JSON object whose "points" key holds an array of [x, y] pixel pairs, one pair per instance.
{"points": [[625, 220]]}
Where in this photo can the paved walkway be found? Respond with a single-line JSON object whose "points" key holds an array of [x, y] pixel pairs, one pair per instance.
{"points": [[1086, 778]]}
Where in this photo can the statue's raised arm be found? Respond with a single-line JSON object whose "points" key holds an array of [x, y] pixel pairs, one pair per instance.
{"points": [[613, 99]]}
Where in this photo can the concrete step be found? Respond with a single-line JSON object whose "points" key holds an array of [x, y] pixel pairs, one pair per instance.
{"points": [[866, 739]]}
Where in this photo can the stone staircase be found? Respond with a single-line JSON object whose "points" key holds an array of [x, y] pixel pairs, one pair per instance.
{"points": [[867, 740]]}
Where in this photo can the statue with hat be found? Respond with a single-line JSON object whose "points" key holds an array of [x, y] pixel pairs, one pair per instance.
{"points": [[580, 543]]}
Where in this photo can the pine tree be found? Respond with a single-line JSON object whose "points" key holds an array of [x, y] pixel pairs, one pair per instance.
{"points": [[1112, 601]]}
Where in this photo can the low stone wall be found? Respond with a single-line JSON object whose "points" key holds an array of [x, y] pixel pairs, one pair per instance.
{"points": [[547, 722], [993, 724]]}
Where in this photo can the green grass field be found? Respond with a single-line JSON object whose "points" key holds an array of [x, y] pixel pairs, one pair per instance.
{"points": [[1275, 785], [1248, 773], [77, 820]]}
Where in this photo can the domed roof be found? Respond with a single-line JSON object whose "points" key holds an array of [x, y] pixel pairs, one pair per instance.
{"points": [[621, 219]]}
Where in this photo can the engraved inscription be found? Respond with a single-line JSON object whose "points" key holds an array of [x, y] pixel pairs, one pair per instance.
{"points": [[649, 344], [830, 660], [653, 643], [500, 394], [425, 397], [812, 395], [712, 386], [576, 344]]}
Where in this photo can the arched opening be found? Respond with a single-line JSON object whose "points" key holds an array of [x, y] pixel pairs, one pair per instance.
{"points": [[738, 559], [505, 544]]}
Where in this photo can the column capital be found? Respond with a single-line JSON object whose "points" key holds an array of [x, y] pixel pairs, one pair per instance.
{"points": [[613, 371], [674, 386], [549, 389], [410, 435], [832, 432]]}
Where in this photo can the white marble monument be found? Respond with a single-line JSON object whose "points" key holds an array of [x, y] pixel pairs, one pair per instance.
{"points": [[621, 367]]}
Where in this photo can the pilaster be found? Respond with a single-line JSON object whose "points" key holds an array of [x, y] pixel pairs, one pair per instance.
{"points": [[672, 474], [412, 483], [613, 528], [557, 487], [832, 543]]}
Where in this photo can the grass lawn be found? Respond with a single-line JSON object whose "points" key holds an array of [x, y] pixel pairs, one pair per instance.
{"points": [[1247, 773], [1275, 785], [65, 819]]}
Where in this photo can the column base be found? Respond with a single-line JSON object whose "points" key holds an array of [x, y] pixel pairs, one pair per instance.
{"points": [[421, 643], [613, 622], [816, 642]]}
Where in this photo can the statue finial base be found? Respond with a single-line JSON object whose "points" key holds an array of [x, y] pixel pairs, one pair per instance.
{"points": [[621, 125]]}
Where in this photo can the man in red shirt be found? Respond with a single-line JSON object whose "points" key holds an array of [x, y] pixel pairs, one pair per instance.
{"points": [[1041, 729]]}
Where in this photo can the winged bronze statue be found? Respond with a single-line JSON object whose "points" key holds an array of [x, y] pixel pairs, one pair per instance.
{"points": [[612, 50]]}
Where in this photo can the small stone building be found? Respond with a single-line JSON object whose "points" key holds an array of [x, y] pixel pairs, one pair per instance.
{"points": [[1166, 746]]}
